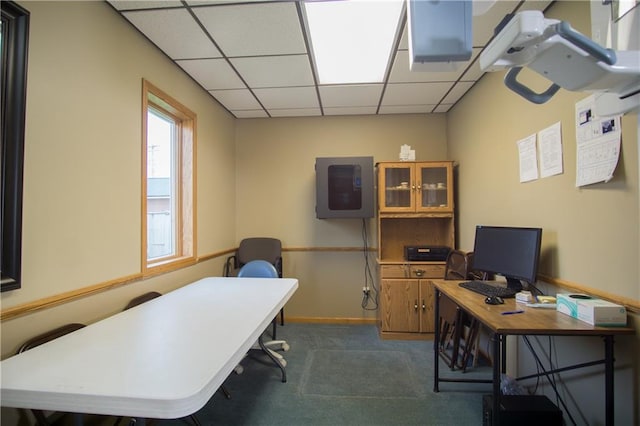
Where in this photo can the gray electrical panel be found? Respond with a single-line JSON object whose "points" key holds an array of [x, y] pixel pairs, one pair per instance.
{"points": [[344, 187]]}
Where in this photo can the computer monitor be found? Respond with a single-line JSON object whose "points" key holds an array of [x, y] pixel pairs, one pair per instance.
{"points": [[508, 251]]}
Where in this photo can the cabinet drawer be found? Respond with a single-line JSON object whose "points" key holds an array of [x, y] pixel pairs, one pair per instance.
{"points": [[411, 271]]}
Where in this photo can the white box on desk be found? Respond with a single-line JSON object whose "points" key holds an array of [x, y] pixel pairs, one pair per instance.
{"points": [[591, 310]]}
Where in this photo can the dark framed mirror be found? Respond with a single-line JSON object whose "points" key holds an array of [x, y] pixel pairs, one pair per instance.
{"points": [[14, 50]]}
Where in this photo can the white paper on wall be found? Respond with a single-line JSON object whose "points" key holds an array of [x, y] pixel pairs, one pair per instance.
{"points": [[528, 159], [597, 144], [550, 150]]}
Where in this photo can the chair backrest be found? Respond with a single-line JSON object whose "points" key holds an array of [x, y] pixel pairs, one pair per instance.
{"points": [[457, 266], [48, 336], [258, 269], [141, 299], [474, 274], [260, 248]]}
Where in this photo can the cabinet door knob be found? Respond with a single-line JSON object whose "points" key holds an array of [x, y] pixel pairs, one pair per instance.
{"points": [[424, 307], [415, 306], [419, 272]]}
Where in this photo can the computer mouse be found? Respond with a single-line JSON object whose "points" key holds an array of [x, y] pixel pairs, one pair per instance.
{"points": [[494, 300]]}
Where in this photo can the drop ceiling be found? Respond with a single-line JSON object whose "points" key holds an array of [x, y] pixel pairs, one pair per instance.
{"points": [[254, 58]]}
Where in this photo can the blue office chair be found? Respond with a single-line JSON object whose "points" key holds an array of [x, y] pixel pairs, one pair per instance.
{"points": [[258, 269], [264, 269], [256, 248]]}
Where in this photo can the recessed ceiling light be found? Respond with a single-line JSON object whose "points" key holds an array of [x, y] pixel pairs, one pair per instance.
{"points": [[352, 40]]}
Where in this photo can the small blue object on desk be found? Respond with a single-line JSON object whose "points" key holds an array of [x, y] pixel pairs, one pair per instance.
{"points": [[512, 312]]}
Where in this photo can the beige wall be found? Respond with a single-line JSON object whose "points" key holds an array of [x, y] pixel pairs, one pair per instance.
{"points": [[590, 234], [276, 177], [82, 176]]}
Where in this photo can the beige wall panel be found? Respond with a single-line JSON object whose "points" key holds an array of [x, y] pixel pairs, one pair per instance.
{"points": [[82, 176], [330, 285], [276, 196], [590, 233], [276, 174]]}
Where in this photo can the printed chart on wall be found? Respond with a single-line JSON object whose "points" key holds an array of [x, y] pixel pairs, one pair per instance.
{"points": [[597, 144]]}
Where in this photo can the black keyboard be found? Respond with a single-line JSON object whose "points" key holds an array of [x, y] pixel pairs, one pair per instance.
{"points": [[488, 289]]}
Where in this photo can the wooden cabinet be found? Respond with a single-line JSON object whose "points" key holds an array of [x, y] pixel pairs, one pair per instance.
{"points": [[407, 306], [415, 187], [415, 208]]}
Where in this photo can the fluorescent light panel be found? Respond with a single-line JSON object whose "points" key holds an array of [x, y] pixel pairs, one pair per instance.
{"points": [[352, 39]]}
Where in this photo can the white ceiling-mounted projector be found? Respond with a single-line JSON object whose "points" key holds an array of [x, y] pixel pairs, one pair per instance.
{"points": [[568, 59]]}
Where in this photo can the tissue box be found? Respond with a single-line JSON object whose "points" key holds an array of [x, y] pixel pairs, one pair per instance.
{"points": [[591, 310]]}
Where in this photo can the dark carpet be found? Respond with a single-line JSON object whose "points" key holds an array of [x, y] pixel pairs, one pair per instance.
{"points": [[344, 375]]}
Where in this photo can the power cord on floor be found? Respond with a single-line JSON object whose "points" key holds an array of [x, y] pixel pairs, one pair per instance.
{"points": [[369, 289]]}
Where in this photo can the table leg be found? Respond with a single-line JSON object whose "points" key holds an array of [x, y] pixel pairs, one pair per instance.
{"points": [[78, 419], [608, 380], [436, 340], [273, 358], [497, 366]]}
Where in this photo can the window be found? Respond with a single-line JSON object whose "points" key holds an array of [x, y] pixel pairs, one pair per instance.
{"points": [[14, 40], [168, 182]]}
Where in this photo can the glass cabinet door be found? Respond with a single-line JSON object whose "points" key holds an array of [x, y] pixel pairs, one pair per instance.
{"points": [[434, 187], [415, 187], [398, 184]]}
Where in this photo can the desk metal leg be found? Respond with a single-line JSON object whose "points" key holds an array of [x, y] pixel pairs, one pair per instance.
{"points": [[273, 358], [608, 380], [496, 339], [436, 340], [78, 419]]}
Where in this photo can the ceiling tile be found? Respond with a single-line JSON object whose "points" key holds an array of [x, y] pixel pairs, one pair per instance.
{"points": [[254, 29], [484, 25], [236, 99], [275, 71], [175, 32], [457, 92], [404, 39], [256, 113], [414, 93], [442, 108], [299, 112], [350, 95], [473, 73], [400, 73], [361, 110], [406, 109], [212, 74], [263, 69], [216, 2], [288, 97], [535, 5], [144, 4]]}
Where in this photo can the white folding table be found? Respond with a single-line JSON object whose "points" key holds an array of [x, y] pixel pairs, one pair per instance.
{"points": [[162, 359]]}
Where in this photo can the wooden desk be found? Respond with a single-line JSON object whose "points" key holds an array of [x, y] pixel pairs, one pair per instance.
{"points": [[534, 321], [162, 359]]}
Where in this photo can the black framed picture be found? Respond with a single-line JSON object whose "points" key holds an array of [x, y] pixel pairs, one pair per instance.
{"points": [[14, 48]]}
